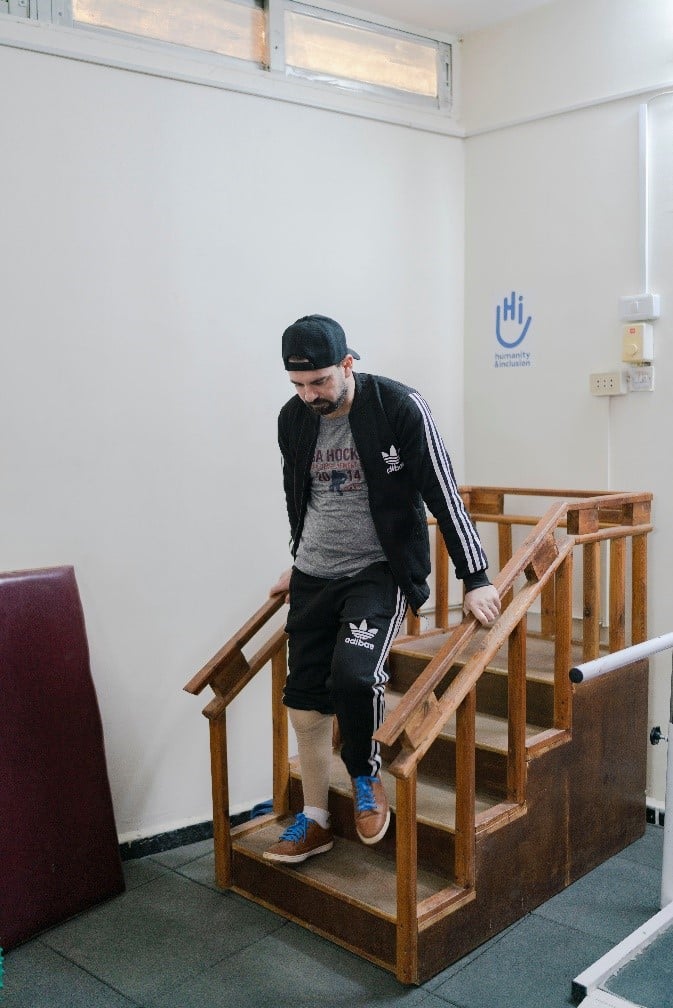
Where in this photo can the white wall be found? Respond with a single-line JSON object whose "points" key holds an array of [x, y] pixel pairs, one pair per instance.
{"points": [[156, 237], [552, 205], [565, 53]]}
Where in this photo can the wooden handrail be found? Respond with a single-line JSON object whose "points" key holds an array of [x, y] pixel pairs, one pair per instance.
{"points": [[421, 735], [609, 495], [419, 693], [232, 649], [227, 673], [419, 710], [236, 675]]}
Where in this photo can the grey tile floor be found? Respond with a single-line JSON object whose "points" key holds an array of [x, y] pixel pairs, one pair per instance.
{"points": [[173, 940]]}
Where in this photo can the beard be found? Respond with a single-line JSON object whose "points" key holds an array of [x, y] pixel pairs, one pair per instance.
{"points": [[323, 407]]}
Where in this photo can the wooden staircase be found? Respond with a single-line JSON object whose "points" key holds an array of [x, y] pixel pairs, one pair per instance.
{"points": [[506, 781]]}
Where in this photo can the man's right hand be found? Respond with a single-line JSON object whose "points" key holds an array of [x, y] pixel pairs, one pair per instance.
{"points": [[282, 585]]}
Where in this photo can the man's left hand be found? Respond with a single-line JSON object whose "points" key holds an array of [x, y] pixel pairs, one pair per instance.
{"points": [[484, 603]]}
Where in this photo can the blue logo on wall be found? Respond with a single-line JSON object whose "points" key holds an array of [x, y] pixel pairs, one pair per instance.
{"points": [[511, 329]]}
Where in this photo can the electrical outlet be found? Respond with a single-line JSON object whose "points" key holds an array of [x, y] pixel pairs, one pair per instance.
{"points": [[608, 383], [640, 378]]}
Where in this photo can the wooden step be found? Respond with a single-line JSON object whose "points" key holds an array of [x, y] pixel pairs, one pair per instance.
{"points": [[436, 813], [409, 657], [491, 730], [540, 652], [348, 895], [417, 652], [364, 875], [490, 755], [436, 800]]}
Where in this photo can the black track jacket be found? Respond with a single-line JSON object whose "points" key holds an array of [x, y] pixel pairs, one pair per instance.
{"points": [[405, 463]]}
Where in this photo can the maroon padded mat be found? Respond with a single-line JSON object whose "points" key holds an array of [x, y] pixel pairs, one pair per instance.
{"points": [[59, 851]]}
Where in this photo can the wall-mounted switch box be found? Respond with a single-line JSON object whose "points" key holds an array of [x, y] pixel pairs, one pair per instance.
{"points": [[638, 343], [639, 307]]}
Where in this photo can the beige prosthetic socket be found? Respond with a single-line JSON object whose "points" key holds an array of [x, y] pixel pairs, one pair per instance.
{"points": [[314, 741]]}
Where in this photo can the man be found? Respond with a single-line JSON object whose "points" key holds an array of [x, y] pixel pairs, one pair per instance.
{"points": [[361, 454]]}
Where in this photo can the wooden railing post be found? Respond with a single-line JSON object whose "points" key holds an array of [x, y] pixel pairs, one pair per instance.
{"points": [[281, 756], [563, 644], [413, 624], [591, 574], [504, 556], [220, 791], [548, 610], [639, 589], [617, 594], [441, 581], [465, 790], [407, 880], [585, 521], [516, 727]]}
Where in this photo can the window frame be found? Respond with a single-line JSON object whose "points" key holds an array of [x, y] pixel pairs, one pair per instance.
{"points": [[443, 59], [193, 52], [47, 26]]}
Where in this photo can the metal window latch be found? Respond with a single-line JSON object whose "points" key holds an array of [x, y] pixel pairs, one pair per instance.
{"points": [[656, 735]]}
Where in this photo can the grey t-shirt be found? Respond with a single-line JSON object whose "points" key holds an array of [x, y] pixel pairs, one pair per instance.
{"points": [[338, 538]]}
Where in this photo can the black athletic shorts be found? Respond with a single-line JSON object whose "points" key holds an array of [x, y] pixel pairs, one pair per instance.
{"points": [[340, 632]]}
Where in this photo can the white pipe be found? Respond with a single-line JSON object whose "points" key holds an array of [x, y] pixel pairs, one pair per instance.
{"points": [[609, 662], [644, 187], [643, 181]]}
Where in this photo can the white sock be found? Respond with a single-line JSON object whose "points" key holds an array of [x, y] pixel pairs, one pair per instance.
{"points": [[319, 815]]}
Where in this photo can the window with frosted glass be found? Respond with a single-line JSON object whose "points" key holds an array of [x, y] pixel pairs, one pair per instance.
{"points": [[221, 26], [325, 48]]}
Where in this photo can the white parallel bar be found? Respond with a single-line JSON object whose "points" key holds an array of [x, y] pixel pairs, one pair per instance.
{"points": [[609, 662], [603, 968], [667, 862], [606, 999]]}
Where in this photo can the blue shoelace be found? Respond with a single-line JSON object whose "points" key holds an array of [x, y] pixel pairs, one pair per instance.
{"points": [[296, 831], [364, 794]]}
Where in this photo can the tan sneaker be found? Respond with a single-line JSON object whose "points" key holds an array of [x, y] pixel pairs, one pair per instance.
{"points": [[370, 805], [301, 840]]}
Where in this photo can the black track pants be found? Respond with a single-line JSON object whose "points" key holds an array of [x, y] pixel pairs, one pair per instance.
{"points": [[340, 632]]}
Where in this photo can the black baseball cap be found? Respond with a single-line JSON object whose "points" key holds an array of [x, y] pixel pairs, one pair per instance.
{"points": [[317, 340]]}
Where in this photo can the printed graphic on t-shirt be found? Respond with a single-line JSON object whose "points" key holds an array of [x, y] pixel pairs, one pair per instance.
{"points": [[337, 470], [338, 537]]}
